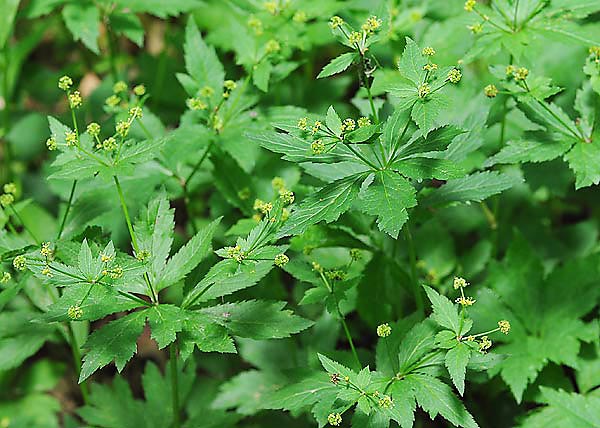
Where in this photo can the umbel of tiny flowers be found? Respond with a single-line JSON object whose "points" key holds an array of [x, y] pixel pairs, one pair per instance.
{"points": [[461, 284], [384, 330], [74, 312], [6, 276], [334, 419], [19, 262], [10, 188], [357, 39], [281, 260], [6, 200], [490, 91]]}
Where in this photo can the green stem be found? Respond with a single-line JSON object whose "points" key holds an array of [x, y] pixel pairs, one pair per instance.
{"points": [[6, 154], [37, 241], [174, 385], [361, 157], [69, 203], [134, 242], [516, 13], [349, 337], [412, 255], [83, 386]]}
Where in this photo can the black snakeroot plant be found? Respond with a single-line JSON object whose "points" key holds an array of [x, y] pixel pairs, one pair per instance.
{"points": [[345, 217]]}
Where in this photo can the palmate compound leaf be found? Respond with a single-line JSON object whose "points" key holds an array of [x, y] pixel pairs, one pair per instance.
{"points": [[117, 339], [387, 195], [327, 204]]}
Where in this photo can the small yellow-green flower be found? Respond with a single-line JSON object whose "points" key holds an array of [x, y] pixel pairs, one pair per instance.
{"points": [[348, 125], [93, 129], [521, 73], [196, 104], [286, 196], [6, 276], [281, 260], [317, 147], [6, 199], [335, 22], [109, 144], [75, 99], [256, 25], [355, 38], [300, 17], [504, 326], [470, 5], [51, 144], [424, 90], [46, 250], [485, 344], [10, 188], [490, 91], [74, 312], [135, 112], [65, 83], [119, 87], [334, 419], [19, 262], [230, 85], [459, 283], [303, 123], [476, 28], [454, 75], [71, 138], [428, 51], [112, 101], [363, 121], [384, 330], [385, 402], [122, 128], [371, 25], [207, 92], [272, 46], [139, 90]]}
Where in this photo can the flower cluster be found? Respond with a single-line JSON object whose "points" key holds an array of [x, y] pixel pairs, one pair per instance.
{"points": [[384, 330], [8, 197], [357, 39]]}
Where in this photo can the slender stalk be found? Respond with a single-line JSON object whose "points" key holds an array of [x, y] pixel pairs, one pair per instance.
{"points": [[349, 337], [516, 13], [69, 203], [6, 154], [16, 214], [83, 386], [373, 110], [489, 215], [412, 255], [174, 385], [134, 242]]}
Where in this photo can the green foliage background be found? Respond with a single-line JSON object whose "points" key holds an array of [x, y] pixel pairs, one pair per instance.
{"points": [[277, 232]]}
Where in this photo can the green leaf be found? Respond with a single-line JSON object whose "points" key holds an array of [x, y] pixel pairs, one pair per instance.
{"points": [[426, 111], [423, 145], [584, 159], [521, 151], [444, 311], [418, 342], [326, 204], [362, 134], [9, 11], [83, 21], [165, 322], [388, 196], [412, 62], [423, 168], [159, 8], [456, 362], [188, 256], [226, 277], [129, 25], [261, 75], [565, 409], [201, 61], [333, 121], [472, 188], [337, 65], [258, 319], [201, 332], [114, 341], [435, 397]]}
